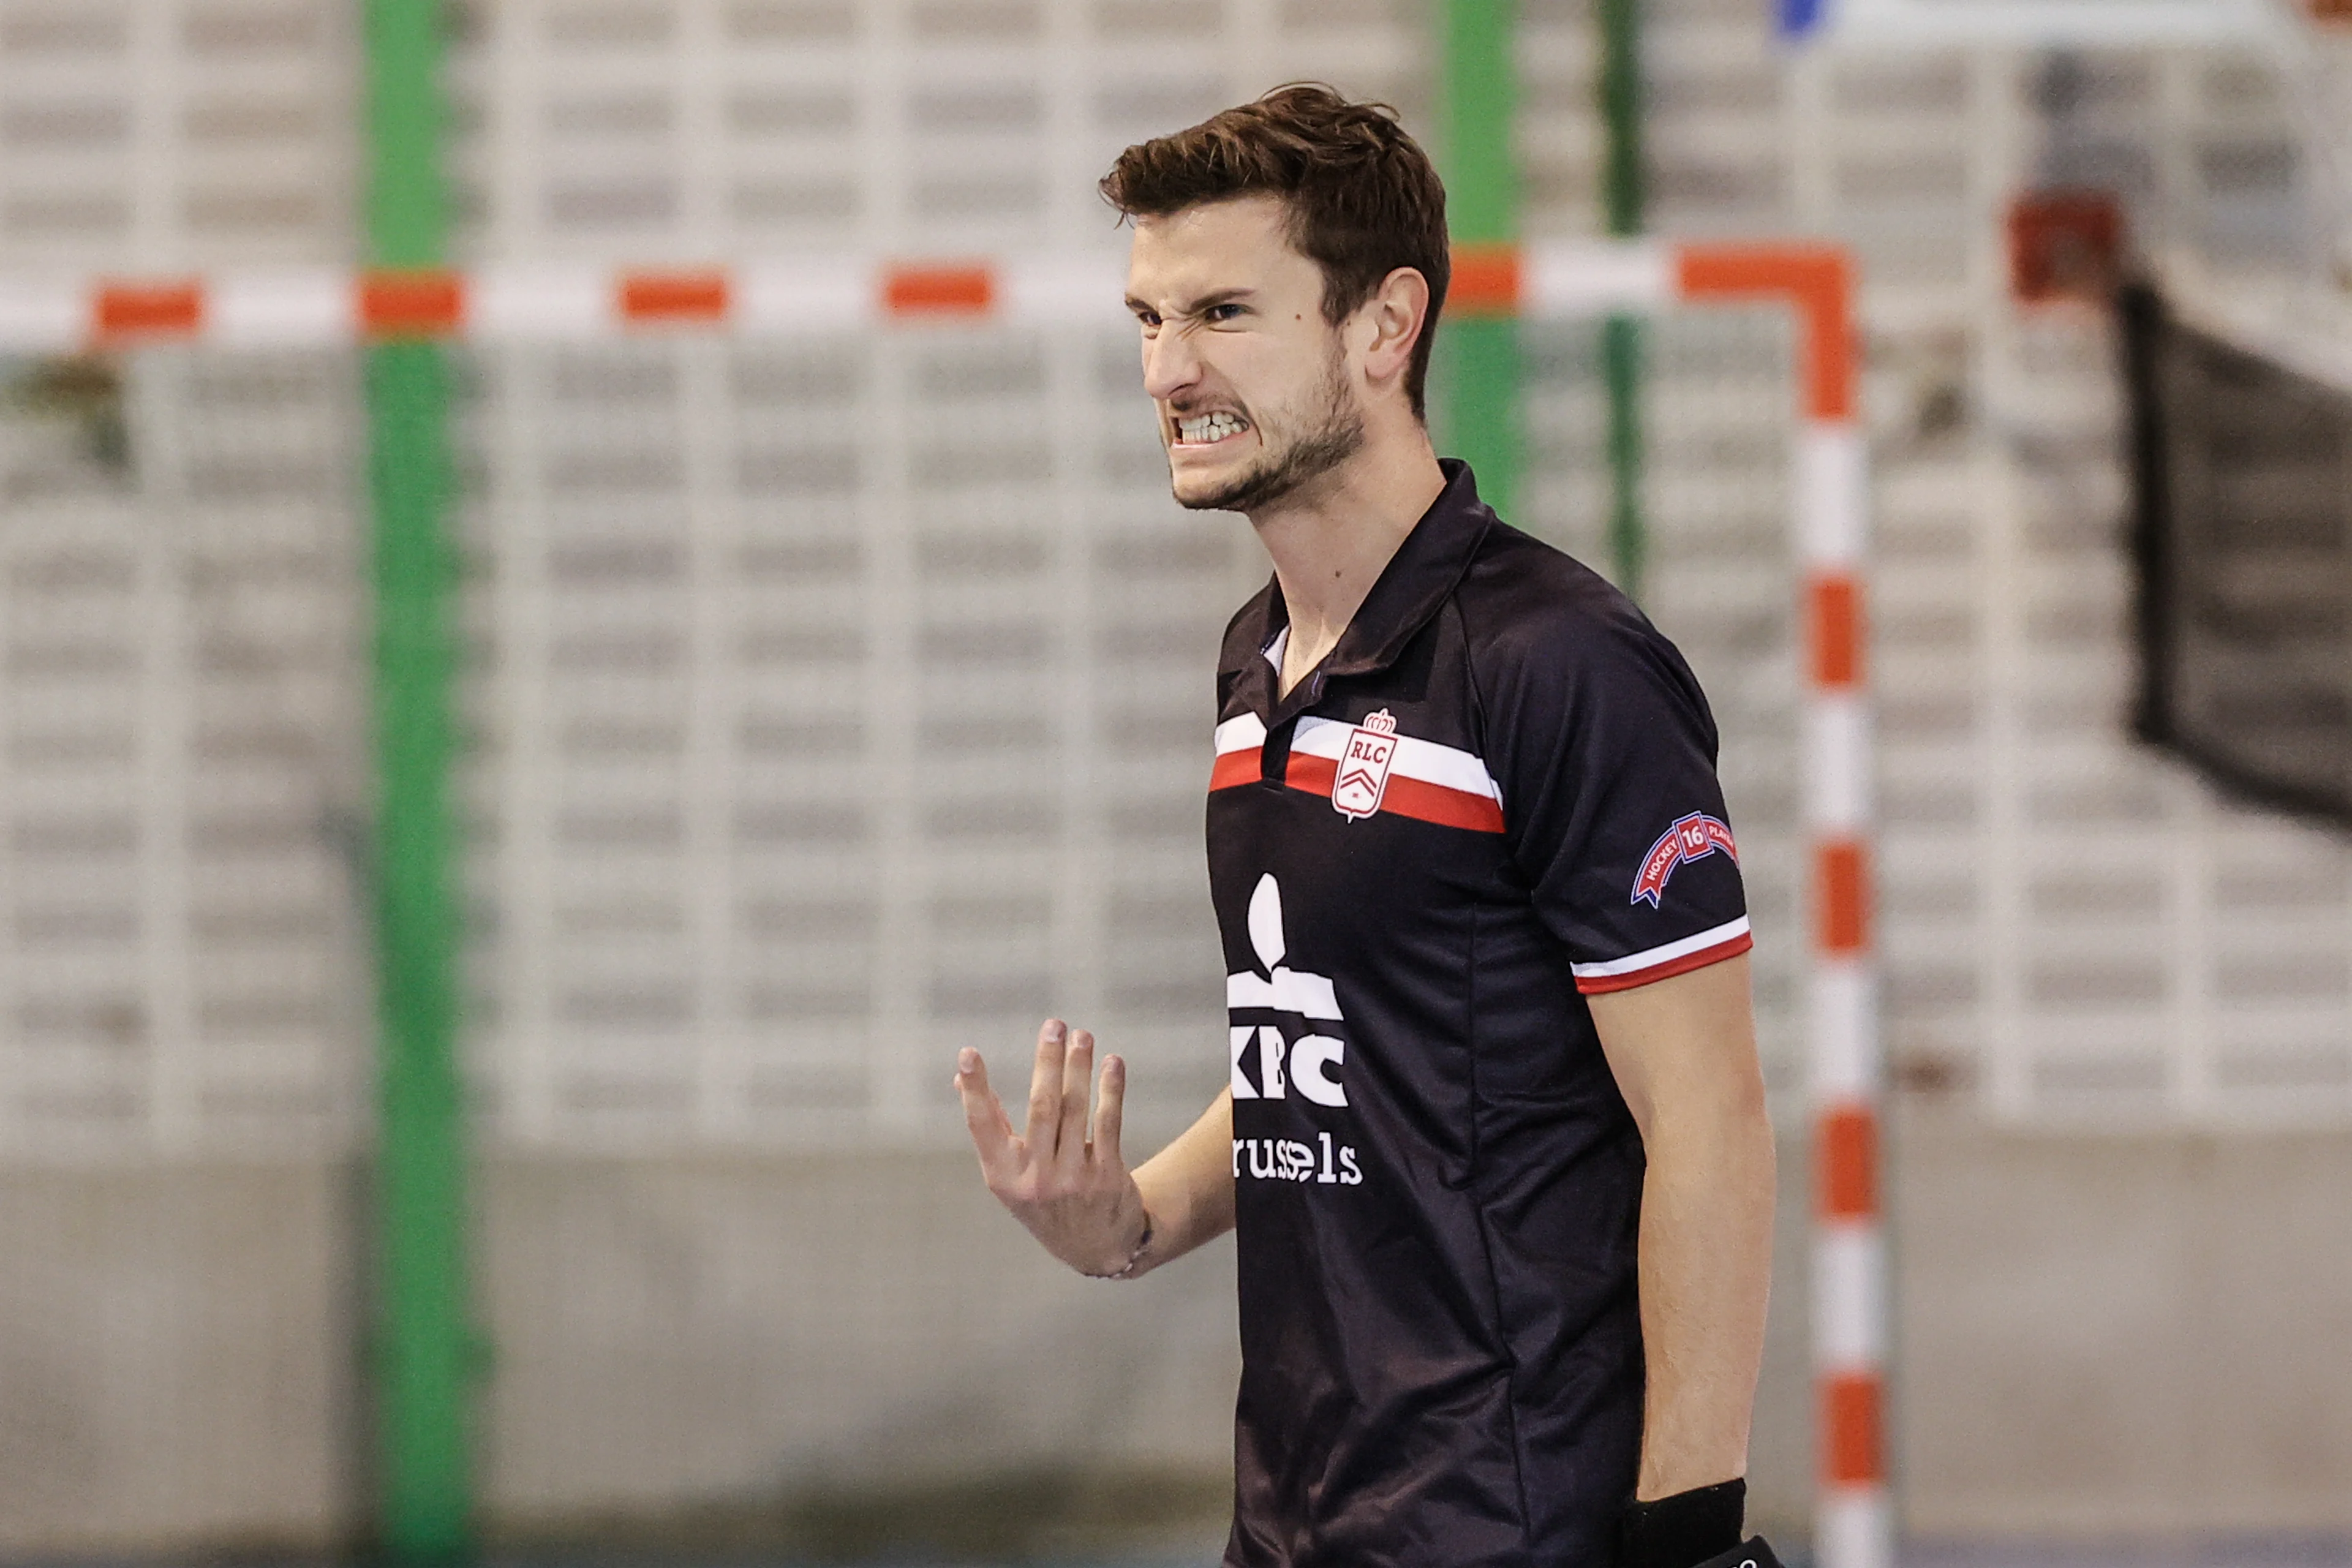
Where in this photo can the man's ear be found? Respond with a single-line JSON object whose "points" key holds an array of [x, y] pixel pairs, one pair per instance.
{"points": [[1395, 316]]}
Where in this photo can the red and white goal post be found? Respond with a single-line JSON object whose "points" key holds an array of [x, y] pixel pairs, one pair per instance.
{"points": [[290, 309]]}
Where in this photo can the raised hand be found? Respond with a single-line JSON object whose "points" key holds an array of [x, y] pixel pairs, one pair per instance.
{"points": [[1066, 1183]]}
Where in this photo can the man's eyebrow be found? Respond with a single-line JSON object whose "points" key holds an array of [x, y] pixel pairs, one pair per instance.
{"points": [[1208, 302]]}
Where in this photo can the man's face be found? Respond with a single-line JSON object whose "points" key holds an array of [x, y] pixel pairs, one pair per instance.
{"points": [[1255, 394]]}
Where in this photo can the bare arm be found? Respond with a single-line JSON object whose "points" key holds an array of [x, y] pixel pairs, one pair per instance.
{"points": [[1188, 1187], [1684, 1052], [1073, 1190]]}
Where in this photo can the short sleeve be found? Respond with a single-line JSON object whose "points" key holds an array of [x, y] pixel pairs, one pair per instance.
{"points": [[1612, 804]]}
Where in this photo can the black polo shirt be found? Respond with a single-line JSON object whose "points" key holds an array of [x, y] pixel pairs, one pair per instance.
{"points": [[1495, 798]]}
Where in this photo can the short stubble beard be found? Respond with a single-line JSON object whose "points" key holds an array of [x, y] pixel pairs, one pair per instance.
{"points": [[1336, 435]]}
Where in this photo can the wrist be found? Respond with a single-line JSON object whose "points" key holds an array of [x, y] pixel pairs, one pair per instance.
{"points": [[1683, 1530], [1137, 1251]]}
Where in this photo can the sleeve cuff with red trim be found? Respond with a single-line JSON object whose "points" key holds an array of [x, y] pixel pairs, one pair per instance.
{"points": [[1729, 939]]}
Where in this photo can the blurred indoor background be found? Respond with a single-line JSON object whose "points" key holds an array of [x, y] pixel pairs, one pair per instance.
{"points": [[828, 699]]}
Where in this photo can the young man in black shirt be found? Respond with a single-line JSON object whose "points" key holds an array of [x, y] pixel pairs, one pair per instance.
{"points": [[1495, 1142]]}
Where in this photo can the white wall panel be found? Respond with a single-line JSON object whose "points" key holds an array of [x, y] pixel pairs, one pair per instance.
{"points": [[833, 702]]}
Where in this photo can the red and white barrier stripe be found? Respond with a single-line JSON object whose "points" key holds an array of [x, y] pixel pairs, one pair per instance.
{"points": [[1853, 1528], [543, 303], [812, 294], [820, 295]]}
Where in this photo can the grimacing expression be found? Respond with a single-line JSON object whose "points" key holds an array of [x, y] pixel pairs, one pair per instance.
{"points": [[1252, 384]]}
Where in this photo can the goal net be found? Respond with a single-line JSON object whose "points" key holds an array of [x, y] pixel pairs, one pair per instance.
{"points": [[2243, 469]]}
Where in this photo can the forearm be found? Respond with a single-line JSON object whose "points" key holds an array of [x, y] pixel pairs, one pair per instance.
{"points": [[1706, 1261], [1188, 1187]]}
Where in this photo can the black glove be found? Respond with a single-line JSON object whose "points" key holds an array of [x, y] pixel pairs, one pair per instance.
{"points": [[1696, 1528]]}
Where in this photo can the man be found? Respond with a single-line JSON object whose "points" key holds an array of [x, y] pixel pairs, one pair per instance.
{"points": [[1483, 925]]}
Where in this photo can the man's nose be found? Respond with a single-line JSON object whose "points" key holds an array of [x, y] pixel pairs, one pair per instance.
{"points": [[1170, 365]]}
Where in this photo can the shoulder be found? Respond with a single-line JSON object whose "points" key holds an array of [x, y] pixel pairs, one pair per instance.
{"points": [[1540, 625]]}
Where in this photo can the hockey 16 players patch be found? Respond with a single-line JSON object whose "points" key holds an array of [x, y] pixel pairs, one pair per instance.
{"points": [[1694, 838]]}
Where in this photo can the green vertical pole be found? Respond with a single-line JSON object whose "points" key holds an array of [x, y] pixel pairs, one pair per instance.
{"points": [[1623, 195], [423, 1327], [1479, 413]]}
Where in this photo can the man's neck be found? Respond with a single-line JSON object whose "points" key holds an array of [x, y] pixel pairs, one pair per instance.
{"points": [[1330, 541]]}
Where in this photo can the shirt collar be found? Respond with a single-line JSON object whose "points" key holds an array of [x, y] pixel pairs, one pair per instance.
{"points": [[1417, 579]]}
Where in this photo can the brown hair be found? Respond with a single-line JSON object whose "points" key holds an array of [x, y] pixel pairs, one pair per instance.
{"points": [[1362, 197]]}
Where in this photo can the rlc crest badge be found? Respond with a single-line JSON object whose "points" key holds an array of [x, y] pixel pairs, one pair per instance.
{"points": [[1363, 776]]}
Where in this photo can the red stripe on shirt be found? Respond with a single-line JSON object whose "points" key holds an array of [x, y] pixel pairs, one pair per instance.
{"points": [[1234, 768], [1435, 803], [1422, 801], [1600, 983]]}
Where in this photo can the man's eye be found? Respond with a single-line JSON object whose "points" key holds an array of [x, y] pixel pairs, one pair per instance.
{"points": [[1223, 312]]}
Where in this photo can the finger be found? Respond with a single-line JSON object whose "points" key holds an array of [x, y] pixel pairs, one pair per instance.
{"points": [[972, 1073], [1110, 1110], [1077, 1089], [1045, 1089], [983, 1114]]}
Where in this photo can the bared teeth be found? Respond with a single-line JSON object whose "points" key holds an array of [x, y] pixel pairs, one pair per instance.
{"points": [[1208, 427]]}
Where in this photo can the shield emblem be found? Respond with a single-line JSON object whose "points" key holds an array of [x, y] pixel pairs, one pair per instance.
{"points": [[1363, 776]]}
